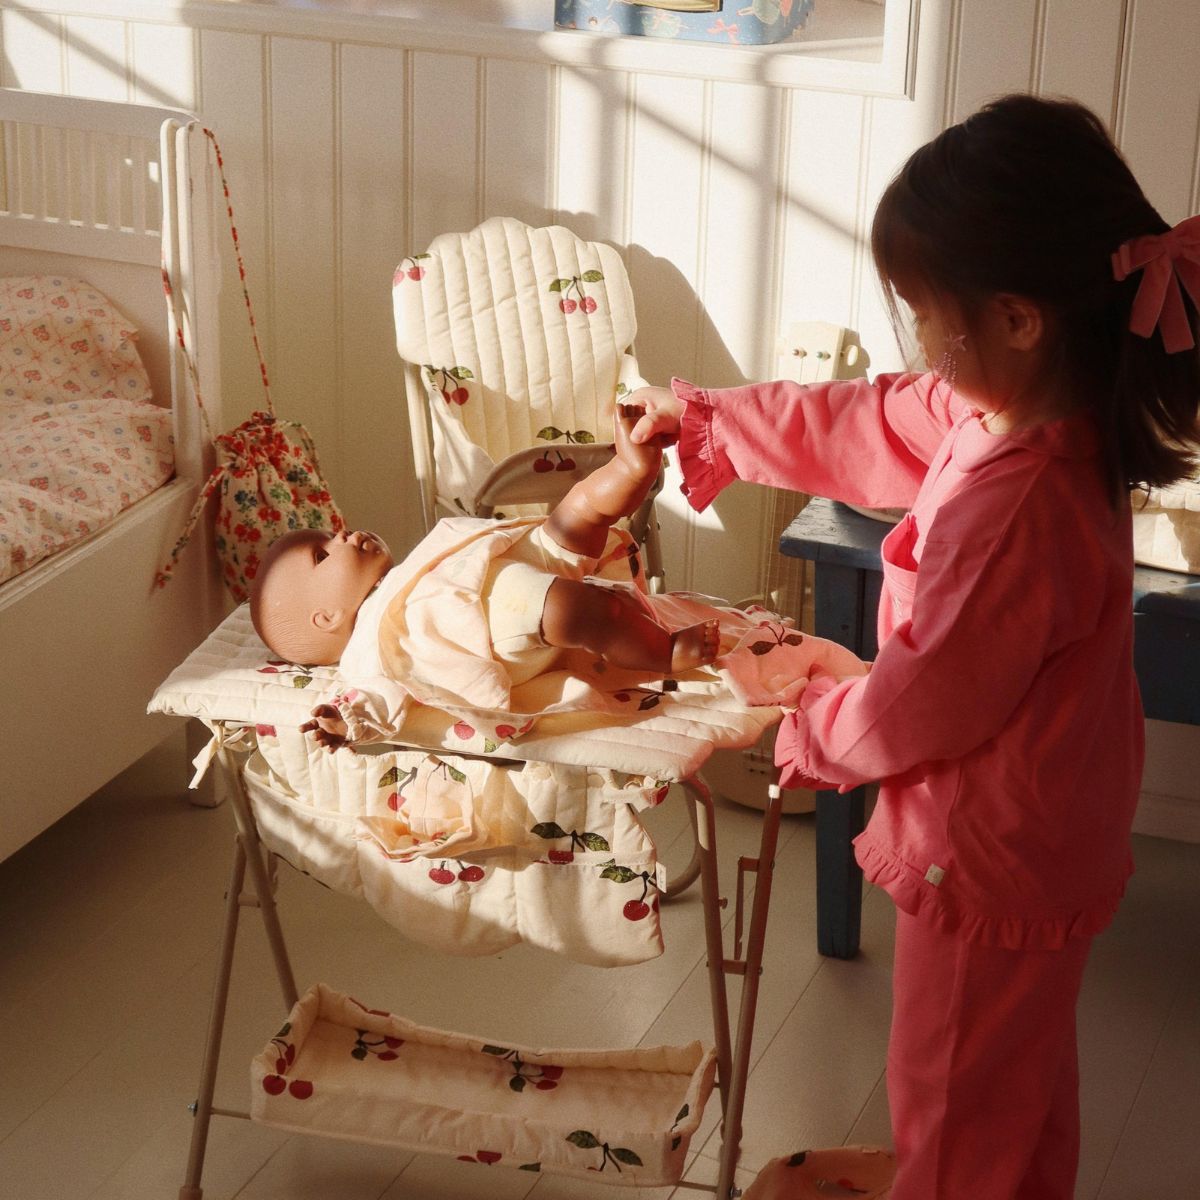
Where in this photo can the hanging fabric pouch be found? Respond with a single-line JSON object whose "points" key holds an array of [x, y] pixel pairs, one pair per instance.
{"points": [[267, 478]]}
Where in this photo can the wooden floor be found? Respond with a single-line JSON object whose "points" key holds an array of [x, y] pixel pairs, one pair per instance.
{"points": [[108, 928]]}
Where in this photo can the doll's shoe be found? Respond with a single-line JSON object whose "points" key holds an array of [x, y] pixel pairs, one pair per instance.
{"points": [[852, 1172]]}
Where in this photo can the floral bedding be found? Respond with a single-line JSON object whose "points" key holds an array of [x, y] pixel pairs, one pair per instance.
{"points": [[80, 439]]}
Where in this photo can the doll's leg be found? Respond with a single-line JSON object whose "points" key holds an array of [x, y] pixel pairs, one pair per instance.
{"points": [[612, 625]]}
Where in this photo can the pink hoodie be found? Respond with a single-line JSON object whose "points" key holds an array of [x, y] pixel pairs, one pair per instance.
{"points": [[1001, 716]]}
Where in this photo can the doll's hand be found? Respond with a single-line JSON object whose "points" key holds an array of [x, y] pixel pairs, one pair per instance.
{"points": [[659, 422], [328, 728]]}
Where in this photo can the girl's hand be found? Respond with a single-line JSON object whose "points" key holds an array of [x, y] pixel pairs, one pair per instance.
{"points": [[661, 411], [328, 728]]}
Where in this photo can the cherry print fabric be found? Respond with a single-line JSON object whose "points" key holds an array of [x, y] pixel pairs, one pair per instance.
{"points": [[343, 1069]]}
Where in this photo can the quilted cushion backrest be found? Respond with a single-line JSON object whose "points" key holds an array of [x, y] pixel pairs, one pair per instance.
{"points": [[518, 333]]}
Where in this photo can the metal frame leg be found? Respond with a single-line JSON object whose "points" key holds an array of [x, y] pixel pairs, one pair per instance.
{"points": [[733, 1059], [247, 852]]}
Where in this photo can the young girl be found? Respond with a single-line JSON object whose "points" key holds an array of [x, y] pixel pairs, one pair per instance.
{"points": [[1001, 715]]}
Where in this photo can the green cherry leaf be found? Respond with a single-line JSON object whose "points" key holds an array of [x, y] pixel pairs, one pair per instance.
{"points": [[683, 1112], [418, 257], [461, 373], [648, 702], [530, 1167], [499, 1051], [287, 1028], [622, 390], [302, 681], [618, 874], [583, 437], [489, 745], [583, 1139], [675, 1141], [626, 1156], [549, 433], [596, 276], [761, 648], [389, 777], [456, 774], [593, 841], [517, 1083], [793, 639], [548, 829], [359, 1052], [559, 284]]}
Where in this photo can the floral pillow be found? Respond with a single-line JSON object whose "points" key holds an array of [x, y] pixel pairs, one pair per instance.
{"points": [[62, 340]]}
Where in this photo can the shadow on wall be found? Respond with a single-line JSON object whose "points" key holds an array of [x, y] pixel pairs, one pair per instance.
{"points": [[677, 337]]}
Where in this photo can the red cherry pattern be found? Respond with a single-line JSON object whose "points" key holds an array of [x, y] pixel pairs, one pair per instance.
{"points": [[564, 288], [383, 1048], [467, 872], [545, 1078], [487, 1157], [448, 382], [410, 268]]}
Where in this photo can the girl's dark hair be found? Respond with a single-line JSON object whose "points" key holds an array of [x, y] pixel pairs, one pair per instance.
{"points": [[1030, 196]]}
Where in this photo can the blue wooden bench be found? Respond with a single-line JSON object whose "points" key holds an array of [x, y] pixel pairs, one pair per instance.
{"points": [[843, 546]]}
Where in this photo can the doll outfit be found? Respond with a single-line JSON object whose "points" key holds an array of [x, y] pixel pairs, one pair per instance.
{"points": [[1001, 718], [456, 626]]}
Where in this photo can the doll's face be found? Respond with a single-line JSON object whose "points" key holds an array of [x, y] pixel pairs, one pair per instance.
{"points": [[309, 590]]}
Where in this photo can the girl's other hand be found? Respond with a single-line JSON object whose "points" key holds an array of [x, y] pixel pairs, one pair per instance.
{"points": [[661, 412]]}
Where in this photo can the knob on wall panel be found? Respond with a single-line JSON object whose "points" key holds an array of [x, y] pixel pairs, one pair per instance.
{"points": [[812, 351]]}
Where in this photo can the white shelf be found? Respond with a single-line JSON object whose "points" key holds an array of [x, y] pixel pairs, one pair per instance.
{"points": [[849, 45]]}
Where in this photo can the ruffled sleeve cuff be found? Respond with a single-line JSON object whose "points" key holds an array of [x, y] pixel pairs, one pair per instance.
{"points": [[706, 469]]}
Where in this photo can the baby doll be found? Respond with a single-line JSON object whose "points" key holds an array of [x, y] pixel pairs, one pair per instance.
{"points": [[480, 607]]}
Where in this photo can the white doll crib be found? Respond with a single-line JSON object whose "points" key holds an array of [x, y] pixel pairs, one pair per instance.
{"points": [[563, 839], [110, 195]]}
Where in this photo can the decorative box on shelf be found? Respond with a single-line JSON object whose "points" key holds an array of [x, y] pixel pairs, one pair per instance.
{"points": [[741, 22]]}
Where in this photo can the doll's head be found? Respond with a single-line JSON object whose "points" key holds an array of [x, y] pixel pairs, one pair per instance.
{"points": [[309, 588]]}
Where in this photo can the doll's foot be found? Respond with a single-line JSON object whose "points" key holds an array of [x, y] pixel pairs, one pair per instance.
{"points": [[695, 646]]}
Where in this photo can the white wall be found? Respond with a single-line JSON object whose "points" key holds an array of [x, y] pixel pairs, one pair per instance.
{"points": [[738, 205]]}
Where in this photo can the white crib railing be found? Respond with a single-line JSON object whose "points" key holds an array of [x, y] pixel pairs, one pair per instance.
{"points": [[61, 188]]}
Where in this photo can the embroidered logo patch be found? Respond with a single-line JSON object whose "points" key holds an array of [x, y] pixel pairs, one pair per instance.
{"points": [[935, 875]]}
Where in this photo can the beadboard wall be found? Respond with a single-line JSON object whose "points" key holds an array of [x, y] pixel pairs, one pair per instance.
{"points": [[351, 139]]}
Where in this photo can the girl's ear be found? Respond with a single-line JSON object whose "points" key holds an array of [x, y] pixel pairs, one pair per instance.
{"points": [[1022, 321]]}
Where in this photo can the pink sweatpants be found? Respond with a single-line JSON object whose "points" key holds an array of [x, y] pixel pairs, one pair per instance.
{"points": [[983, 1079]]}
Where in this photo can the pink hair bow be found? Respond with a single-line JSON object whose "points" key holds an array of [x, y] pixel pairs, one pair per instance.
{"points": [[1166, 260]]}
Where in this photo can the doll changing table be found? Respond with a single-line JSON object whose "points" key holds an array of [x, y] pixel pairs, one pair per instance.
{"points": [[339, 1066]]}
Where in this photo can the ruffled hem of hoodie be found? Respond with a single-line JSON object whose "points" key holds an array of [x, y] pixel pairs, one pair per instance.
{"points": [[913, 895]]}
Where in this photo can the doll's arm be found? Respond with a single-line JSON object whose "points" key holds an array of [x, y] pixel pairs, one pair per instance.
{"points": [[582, 518], [359, 715]]}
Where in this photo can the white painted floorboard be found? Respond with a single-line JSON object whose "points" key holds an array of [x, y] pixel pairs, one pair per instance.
{"points": [[108, 930]]}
